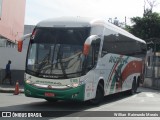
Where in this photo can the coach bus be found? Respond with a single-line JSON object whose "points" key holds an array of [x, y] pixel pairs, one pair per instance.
{"points": [[75, 58]]}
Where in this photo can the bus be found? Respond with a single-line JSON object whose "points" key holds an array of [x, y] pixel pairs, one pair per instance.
{"points": [[81, 59]]}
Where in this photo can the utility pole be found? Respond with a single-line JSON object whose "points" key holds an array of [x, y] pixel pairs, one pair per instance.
{"points": [[125, 22]]}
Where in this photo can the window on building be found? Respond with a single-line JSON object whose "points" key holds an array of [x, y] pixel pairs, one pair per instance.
{"points": [[10, 44], [0, 8], [2, 42]]}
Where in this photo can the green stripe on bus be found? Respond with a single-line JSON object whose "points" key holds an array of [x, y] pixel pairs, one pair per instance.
{"points": [[76, 93]]}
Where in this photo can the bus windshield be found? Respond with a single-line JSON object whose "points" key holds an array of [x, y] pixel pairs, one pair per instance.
{"points": [[56, 52]]}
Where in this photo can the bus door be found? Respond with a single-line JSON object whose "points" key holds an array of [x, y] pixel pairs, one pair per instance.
{"points": [[91, 62], [149, 64]]}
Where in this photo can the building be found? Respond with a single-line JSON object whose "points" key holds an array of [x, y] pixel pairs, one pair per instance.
{"points": [[18, 59], [27, 29], [153, 63], [12, 14]]}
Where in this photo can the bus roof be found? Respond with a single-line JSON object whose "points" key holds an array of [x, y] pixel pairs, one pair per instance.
{"points": [[66, 22], [84, 22]]}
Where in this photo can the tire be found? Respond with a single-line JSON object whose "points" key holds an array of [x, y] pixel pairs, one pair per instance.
{"points": [[99, 95], [138, 82], [51, 100], [134, 87]]}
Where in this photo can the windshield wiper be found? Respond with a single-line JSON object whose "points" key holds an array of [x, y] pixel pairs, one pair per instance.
{"points": [[43, 63], [61, 63]]}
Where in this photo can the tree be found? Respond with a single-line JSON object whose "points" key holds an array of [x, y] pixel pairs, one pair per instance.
{"points": [[151, 3], [146, 27]]}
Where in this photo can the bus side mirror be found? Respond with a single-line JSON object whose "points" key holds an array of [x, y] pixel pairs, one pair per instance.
{"points": [[20, 42], [88, 43], [19, 46]]}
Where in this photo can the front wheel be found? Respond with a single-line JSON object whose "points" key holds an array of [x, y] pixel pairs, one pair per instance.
{"points": [[99, 95]]}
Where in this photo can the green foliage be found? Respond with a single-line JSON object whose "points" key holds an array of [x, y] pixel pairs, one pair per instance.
{"points": [[146, 27]]}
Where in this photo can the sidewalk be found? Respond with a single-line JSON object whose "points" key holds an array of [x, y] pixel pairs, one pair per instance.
{"points": [[6, 88]]}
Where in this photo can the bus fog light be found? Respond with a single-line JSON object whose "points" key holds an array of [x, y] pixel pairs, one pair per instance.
{"points": [[75, 95]]}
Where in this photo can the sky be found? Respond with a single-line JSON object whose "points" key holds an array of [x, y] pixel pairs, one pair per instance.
{"points": [[38, 10]]}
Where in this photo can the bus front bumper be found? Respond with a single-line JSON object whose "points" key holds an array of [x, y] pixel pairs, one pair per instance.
{"points": [[76, 93]]}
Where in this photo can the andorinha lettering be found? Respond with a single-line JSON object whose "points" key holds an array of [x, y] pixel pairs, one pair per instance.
{"points": [[114, 59]]}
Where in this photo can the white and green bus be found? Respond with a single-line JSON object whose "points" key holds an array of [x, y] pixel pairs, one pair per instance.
{"points": [[81, 59]]}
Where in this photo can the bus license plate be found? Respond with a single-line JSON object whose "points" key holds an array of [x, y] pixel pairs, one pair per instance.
{"points": [[49, 94]]}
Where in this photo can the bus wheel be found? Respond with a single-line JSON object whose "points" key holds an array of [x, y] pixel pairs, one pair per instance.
{"points": [[99, 95], [138, 81], [51, 100], [134, 87]]}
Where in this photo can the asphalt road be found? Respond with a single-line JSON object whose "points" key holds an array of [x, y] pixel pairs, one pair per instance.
{"points": [[118, 104]]}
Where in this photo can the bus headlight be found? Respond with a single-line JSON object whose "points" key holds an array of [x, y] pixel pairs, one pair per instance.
{"points": [[28, 82], [75, 84]]}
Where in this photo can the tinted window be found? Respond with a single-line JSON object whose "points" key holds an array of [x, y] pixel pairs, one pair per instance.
{"points": [[61, 35], [56, 53], [119, 44]]}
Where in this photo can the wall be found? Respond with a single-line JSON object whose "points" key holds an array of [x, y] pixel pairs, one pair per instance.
{"points": [[27, 29], [18, 59], [17, 66], [17, 75], [12, 19]]}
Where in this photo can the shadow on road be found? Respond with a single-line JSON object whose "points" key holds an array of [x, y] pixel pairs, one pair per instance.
{"points": [[65, 108]]}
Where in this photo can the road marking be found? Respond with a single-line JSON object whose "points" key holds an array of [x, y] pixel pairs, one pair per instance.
{"points": [[112, 104], [149, 95], [141, 100]]}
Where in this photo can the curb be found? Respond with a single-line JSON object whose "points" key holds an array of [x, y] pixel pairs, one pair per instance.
{"points": [[10, 91]]}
